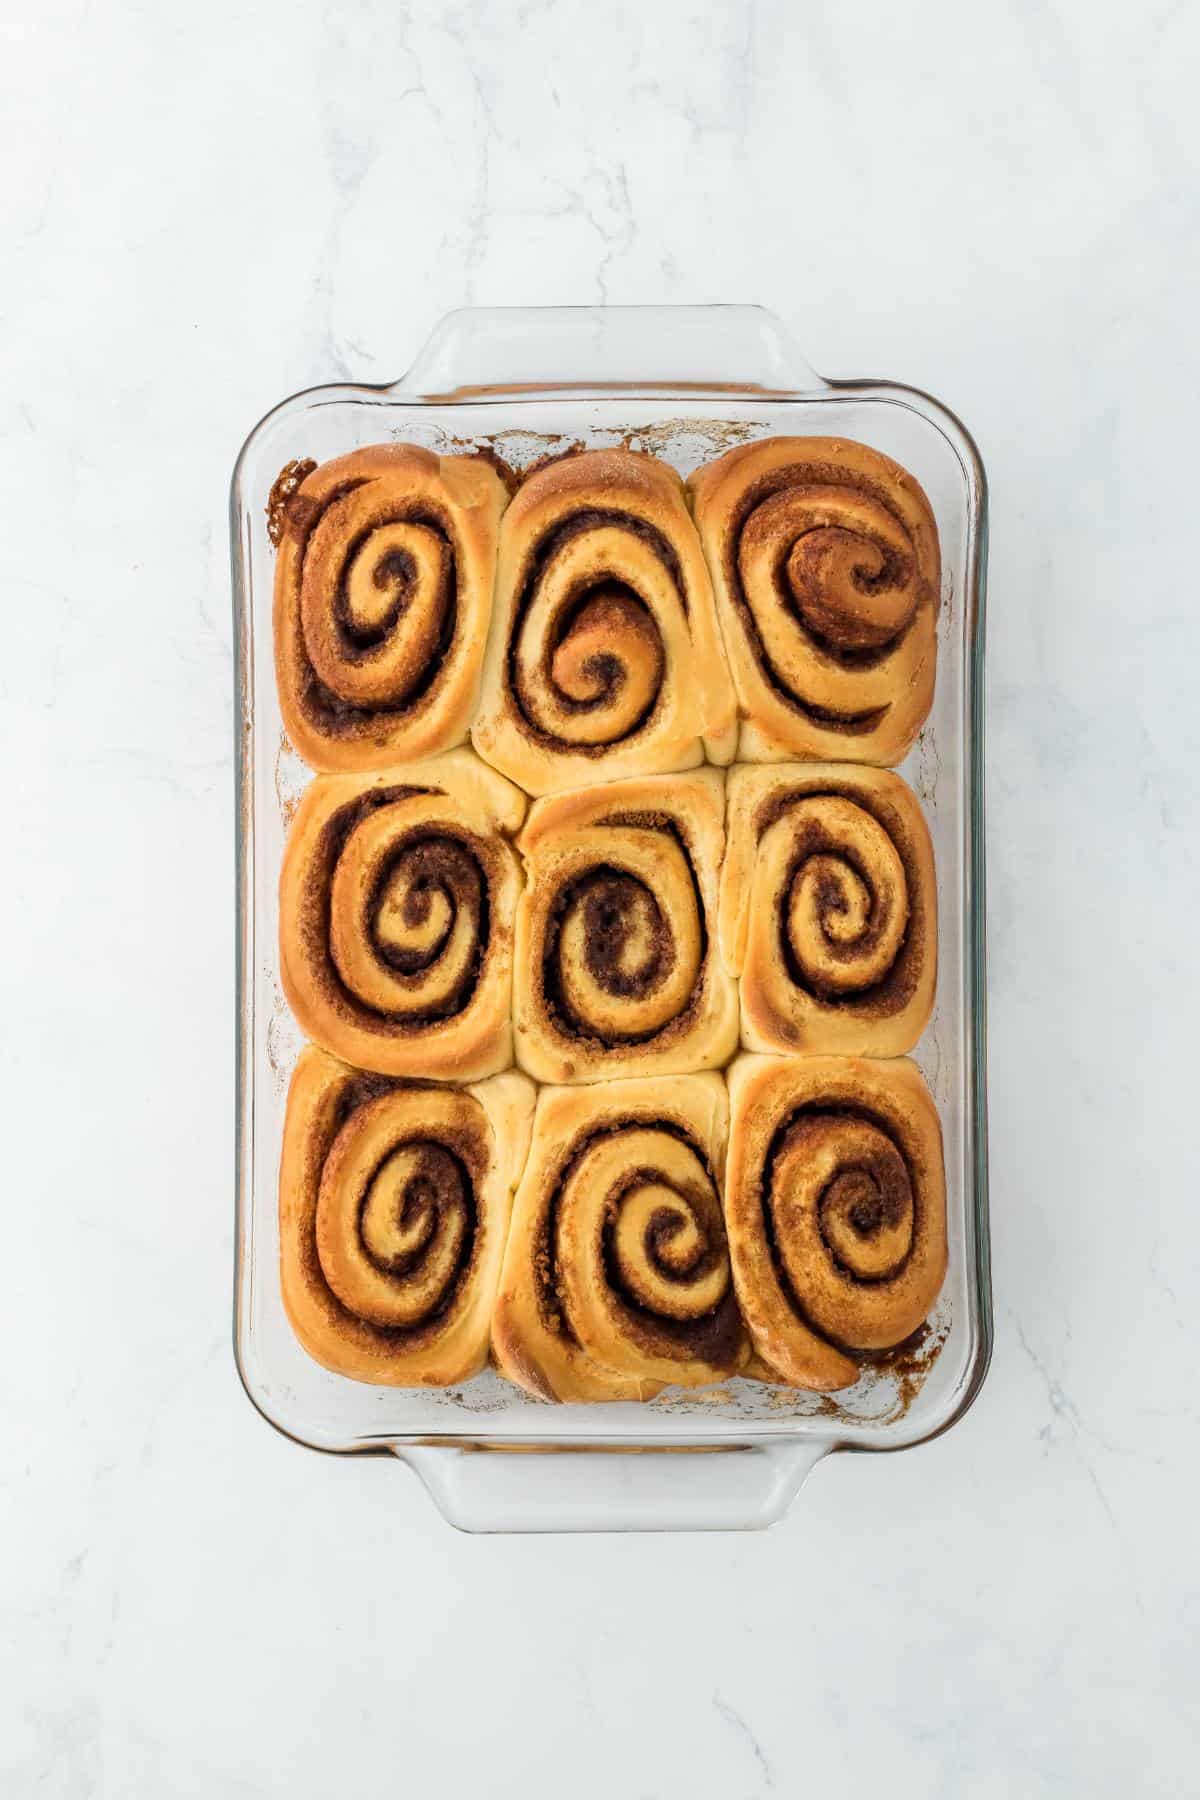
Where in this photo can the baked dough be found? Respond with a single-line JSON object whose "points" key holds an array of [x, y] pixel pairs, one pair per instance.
{"points": [[604, 658], [396, 904], [394, 1201], [617, 970], [616, 1277], [835, 1200], [828, 908], [825, 565], [383, 591]]}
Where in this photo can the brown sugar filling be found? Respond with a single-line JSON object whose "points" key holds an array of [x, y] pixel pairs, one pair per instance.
{"points": [[882, 998], [713, 1337], [806, 475], [604, 892], [548, 546], [445, 858], [878, 1208]]}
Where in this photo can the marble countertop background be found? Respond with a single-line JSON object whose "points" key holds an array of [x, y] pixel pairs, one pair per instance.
{"points": [[209, 207]]}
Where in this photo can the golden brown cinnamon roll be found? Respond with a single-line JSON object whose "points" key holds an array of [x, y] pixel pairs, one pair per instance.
{"points": [[825, 564], [383, 590], [394, 1201], [829, 908], [396, 902], [604, 658], [835, 1201], [616, 1277], [617, 971]]}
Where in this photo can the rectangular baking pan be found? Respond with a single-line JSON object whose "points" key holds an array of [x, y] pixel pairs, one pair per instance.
{"points": [[685, 383]]}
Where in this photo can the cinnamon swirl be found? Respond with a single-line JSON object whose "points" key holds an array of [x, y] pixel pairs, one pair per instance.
{"points": [[394, 1201], [616, 1277], [396, 902], [617, 971], [604, 658], [835, 1202], [825, 564], [383, 589], [828, 908]]}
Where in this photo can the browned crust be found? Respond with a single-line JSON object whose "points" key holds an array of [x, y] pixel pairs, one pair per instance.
{"points": [[459, 498], [780, 1012], [562, 853], [767, 1094], [624, 518], [452, 1345], [454, 797], [532, 1337], [864, 708]]}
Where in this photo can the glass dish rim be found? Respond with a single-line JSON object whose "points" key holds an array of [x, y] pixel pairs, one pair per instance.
{"points": [[402, 393]]}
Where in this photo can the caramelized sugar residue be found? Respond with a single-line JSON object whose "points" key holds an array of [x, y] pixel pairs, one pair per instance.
{"points": [[286, 483]]}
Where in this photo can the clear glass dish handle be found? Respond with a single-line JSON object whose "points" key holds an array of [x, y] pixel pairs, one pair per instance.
{"points": [[720, 1488], [480, 351]]}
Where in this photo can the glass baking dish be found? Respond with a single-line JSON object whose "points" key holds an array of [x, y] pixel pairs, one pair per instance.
{"points": [[686, 383]]}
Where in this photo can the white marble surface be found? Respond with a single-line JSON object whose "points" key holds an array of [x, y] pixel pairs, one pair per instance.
{"points": [[208, 207]]}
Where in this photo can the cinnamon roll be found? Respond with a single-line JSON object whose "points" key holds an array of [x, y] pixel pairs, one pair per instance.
{"points": [[604, 658], [394, 1201], [383, 589], [616, 1277], [825, 564], [396, 902], [617, 971], [829, 908], [835, 1202]]}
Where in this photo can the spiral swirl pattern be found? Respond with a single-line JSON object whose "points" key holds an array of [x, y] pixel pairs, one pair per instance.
{"points": [[825, 562], [615, 969], [408, 915], [383, 592], [836, 1209], [843, 902], [394, 1204], [395, 918], [828, 909], [604, 659], [396, 1215], [617, 1277]]}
